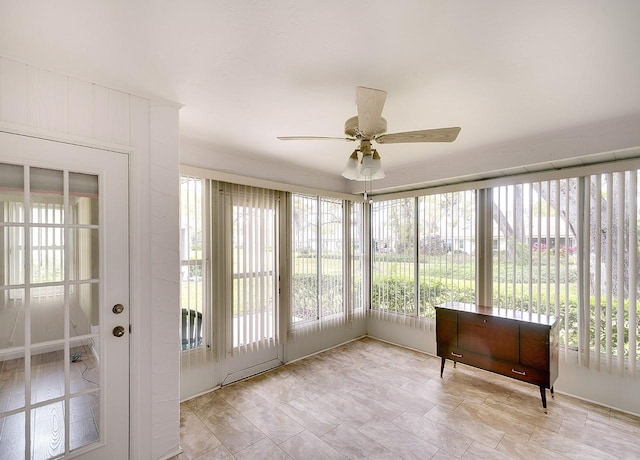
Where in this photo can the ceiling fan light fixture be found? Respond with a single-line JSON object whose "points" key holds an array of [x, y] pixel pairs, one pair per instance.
{"points": [[379, 174], [351, 169], [371, 166]]}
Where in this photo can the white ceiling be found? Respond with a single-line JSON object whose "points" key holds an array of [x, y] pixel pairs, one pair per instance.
{"points": [[528, 82]]}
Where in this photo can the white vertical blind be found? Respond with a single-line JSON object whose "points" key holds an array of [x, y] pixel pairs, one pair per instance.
{"points": [[584, 274], [610, 247], [566, 247], [252, 273], [535, 267], [597, 274], [564, 317], [634, 249], [619, 199], [609, 277], [572, 245]]}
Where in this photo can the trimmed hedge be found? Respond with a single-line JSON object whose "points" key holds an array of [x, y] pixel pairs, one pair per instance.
{"points": [[396, 293]]}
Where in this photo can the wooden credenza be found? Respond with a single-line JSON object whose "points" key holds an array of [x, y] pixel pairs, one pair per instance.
{"points": [[519, 345]]}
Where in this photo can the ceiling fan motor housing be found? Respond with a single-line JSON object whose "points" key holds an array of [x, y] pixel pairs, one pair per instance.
{"points": [[351, 128]]}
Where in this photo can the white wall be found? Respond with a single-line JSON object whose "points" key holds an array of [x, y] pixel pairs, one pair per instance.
{"points": [[42, 326], [52, 105], [193, 153], [598, 386], [299, 346]]}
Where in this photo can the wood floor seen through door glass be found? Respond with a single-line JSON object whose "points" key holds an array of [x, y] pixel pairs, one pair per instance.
{"points": [[47, 417]]}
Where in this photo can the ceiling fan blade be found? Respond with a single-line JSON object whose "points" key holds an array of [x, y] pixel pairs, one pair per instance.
{"points": [[314, 138], [427, 135], [370, 103]]}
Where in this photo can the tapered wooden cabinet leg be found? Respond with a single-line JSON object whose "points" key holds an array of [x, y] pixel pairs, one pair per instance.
{"points": [[552, 393], [442, 367], [543, 395]]}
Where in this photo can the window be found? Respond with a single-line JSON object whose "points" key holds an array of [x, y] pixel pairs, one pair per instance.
{"points": [[567, 247], [237, 227], [534, 262], [317, 259], [192, 266], [327, 261], [355, 274], [49, 234], [446, 248], [47, 248], [423, 253], [393, 255], [254, 258]]}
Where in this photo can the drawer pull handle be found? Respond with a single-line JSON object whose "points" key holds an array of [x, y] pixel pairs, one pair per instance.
{"points": [[457, 355], [518, 372]]}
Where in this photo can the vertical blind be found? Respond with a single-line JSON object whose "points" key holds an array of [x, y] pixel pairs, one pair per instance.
{"points": [[569, 248], [609, 307], [535, 251], [251, 251], [241, 228], [564, 247]]}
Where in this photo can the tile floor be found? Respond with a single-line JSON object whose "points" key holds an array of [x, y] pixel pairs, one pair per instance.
{"points": [[368, 399]]}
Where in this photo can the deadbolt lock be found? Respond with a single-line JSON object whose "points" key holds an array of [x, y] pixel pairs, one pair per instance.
{"points": [[118, 331], [118, 308]]}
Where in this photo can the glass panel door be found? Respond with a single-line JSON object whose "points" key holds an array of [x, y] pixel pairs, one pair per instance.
{"points": [[52, 289]]}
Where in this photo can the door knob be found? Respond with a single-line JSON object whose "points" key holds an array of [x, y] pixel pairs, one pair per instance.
{"points": [[118, 308], [118, 331]]}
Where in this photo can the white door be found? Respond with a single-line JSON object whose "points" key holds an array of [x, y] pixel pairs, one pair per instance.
{"points": [[64, 301]]}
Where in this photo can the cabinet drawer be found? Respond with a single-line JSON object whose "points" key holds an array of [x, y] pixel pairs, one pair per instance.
{"points": [[498, 366], [497, 338]]}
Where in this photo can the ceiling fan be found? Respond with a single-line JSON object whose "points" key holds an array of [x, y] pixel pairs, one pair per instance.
{"points": [[369, 126]]}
